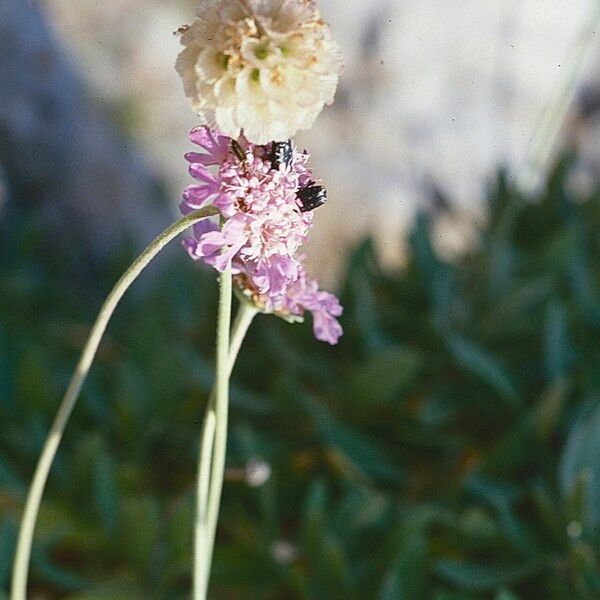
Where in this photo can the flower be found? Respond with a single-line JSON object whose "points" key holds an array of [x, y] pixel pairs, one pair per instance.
{"points": [[263, 225], [266, 67], [300, 295]]}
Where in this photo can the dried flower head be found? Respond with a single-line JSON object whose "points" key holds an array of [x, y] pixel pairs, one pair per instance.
{"points": [[263, 225], [266, 67]]}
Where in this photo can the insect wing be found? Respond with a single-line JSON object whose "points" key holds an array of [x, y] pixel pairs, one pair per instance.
{"points": [[282, 153], [311, 197]]}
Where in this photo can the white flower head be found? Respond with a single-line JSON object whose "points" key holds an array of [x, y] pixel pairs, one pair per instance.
{"points": [[266, 67]]}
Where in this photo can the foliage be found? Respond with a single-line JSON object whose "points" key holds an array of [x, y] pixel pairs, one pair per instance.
{"points": [[448, 449]]}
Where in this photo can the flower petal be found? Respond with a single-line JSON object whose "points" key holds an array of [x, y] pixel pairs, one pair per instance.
{"points": [[326, 327], [201, 173], [196, 196]]}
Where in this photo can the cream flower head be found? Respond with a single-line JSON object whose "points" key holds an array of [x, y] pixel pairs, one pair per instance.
{"points": [[266, 67]]}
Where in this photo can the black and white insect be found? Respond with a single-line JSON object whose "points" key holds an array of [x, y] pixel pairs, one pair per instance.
{"points": [[282, 153], [311, 197]]}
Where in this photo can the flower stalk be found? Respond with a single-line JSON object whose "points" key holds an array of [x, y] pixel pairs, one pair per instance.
{"points": [[213, 452], [207, 515], [36, 490]]}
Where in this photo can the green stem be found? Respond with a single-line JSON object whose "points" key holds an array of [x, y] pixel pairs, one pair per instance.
{"points": [[216, 458], [36, 490], [243, 319], [212, 453]]}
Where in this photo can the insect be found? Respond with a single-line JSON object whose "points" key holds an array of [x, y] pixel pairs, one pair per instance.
{"points": [[282, 153], [311, 197], [237, 150]]}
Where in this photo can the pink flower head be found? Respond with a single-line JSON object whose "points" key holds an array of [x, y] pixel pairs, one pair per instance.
{"points": [[263, 224], [301, 295]]}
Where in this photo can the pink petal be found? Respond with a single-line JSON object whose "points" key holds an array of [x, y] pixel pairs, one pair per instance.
{"points": [[202, 136], [202, 159], [210, 243], [200, 172], [326, 327], [191, 245], [225, 205], [195, 196], [203, 227], [216, 144]]}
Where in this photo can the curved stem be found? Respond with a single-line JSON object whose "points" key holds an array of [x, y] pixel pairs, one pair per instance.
{"points": [[36, 490]]}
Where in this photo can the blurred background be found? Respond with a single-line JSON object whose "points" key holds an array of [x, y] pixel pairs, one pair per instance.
{"points": [[448, 448]]}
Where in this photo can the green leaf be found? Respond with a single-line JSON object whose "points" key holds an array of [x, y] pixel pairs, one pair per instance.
{"points": [[496, 492], [483, 577], [105, 487], [8, 542], [6, 391], [485, 366], [180, 537], [448, 595], [325, 552], [385, 375], [116, 595], [506, 594], [581, 276], [138, 535], [33, 379], [436, 275], [556, 344], [359, 449], [42, 564], [580, 462], [515, 309], [111, 592], [361, 319], [9, 479], [517, 531], [241, 566], [547, 411], [407, 577]]}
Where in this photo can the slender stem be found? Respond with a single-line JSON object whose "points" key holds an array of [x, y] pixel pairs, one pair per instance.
{"points": [[36, 490], [217, 457], [246, 314], [212, 452], [243, 319], [201, 529], [206, 446], [221, 413]]}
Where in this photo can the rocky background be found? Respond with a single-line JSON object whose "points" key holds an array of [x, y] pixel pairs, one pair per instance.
{"points": [[435, 97]]}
